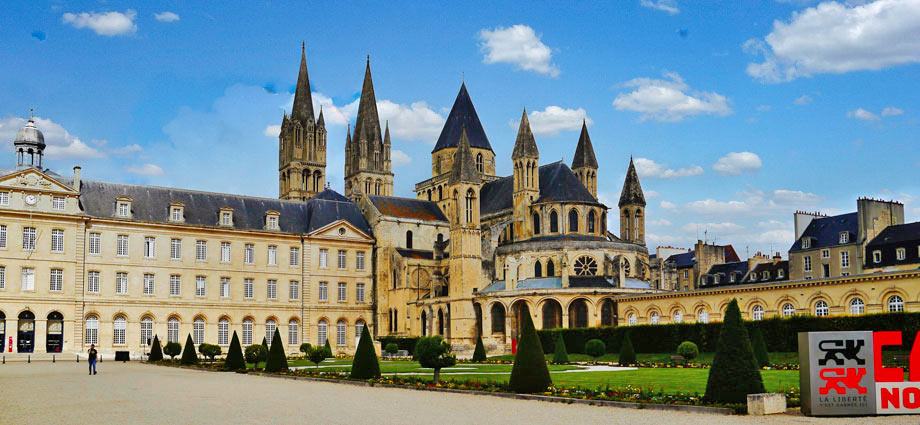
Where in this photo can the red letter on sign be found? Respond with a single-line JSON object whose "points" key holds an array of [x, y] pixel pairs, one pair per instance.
{"points": [[886, 374], [915, 359], [891, 398]]}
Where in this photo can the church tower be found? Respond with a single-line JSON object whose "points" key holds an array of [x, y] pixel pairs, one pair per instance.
{"points": [[465, 265], [302, 144], [585, 164], [526, 158], [632, 208], [367, 151]]}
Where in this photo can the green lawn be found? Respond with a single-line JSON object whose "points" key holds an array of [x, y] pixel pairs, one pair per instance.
{"points": [[776, 358]]}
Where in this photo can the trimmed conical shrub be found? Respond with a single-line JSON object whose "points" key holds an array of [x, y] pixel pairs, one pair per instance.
{"points": [[328, 348], [760, 348], [365, 364], [277, 360], [268, 357], [479, 354], [733, 374], [156, 352], [188, 354], [627, 353], [235, 360], [529, 373], [560, 356]]}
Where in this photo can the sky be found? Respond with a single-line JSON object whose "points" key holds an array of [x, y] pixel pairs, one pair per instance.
{"points": [[737, 113]]}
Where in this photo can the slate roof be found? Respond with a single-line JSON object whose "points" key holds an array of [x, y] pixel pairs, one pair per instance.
{"points": [[462, 115], [724, 271], [303, 98], [367, 124], [898, 233], [407, 208], [825, 231], [566, 238], [524, 145], [415, 253], [632, 190], [464, 167], [151, 203], [554, 282], [589, 282], [557, 183], [773, 269], [687, 259], [584, 153]]}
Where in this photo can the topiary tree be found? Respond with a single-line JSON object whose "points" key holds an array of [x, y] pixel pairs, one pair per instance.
{"points": [[595, 348], [365, 364], [277, 360], [688, 350], [209, 350], [235, 360], [392, 348], [156, 352], [328, 348], [255, 353], [305, 348], [172, 349], [479, 354], [266, 358], [188, 354], [560, 356], [433, 352], [760, 348], [529, 373], [627, 353], [317, 355], [733, 374]]}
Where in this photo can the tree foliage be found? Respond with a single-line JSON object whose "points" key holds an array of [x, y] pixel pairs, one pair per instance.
{"points": [[627, 354], [529, 373], [317, 355], [479, 354], [734, 373], [761, 356], [255, 353], [595, 348], [433, 352], [688, 350], [560, 355], [209, 350], [172, 349], [305, 348]]}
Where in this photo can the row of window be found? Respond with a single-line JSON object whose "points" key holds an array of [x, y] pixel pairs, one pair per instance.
{"points": [[177, 214], [591, 222], [900, 254], [342, 292], [57, 202], [844, 260], [201, 286], [30, 236], [842, 238], [27, 280], [341, 259]]}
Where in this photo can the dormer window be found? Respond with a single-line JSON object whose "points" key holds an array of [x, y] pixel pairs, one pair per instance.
{"points": [[123, 207], [715, 279], [779, 274], [753, 277], [766, 275], [901, 254], [271, 220], [731, 277], [844, 237], [176, 212], [806, 243], [876, 256], [226, 217]]}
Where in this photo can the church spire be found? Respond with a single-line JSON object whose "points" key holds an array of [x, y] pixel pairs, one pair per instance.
{"points": [[525, 146], [303, 99], [464, 167], [632, 190], [367, 125], [584, 153], [320, 122]]}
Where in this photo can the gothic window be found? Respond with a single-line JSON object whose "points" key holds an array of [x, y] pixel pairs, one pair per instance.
{"points": [[573, 221], [469, 205], [636, 219], [377, 188], [553, 222], [585, 266], [536, 223], [440, 192], [408, 239], [429, 195], [626, 267], [550, 268], [479, 162], [498, 318], [537, 269], [591, 221]]}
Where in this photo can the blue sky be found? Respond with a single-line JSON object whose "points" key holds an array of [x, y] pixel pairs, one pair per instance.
{"points": [[738, 113]]}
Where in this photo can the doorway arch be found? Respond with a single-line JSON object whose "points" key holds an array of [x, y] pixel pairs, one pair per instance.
{"points": [[608, 313], [25, 337], [518, 311], [54, 339], [552, 314], [578, 314]]}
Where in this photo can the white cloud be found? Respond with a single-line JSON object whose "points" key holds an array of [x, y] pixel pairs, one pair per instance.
{"points": [[126, 150], [554, 119], [334, 115], [399, 158], [166, 17], [660, 222], [764, 108], [794, 197], [837, 38], [755, 203], [273, 131], [668, 205], [862, 114], [735, 163], [802, 100], [518, 45], [144, 170], [413, 122], [651, 194], [713, 207], [60, 143], [668, 6], [670, 99], [650, 169], [723, 227], [774, 224], [107, 23], [891, 111]]}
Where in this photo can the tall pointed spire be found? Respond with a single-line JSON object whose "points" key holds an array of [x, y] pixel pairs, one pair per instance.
{"points": [[464, 167], [320, 122], [584, 153], [632, 190], [525, 146], [303, 99], [386, 134], [367, 125], [461, 115]]}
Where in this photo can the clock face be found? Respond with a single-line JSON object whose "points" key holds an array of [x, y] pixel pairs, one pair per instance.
{"points": [[31, 199]]}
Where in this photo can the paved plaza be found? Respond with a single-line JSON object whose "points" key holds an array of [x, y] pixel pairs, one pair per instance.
{"points": [[132, 393]]}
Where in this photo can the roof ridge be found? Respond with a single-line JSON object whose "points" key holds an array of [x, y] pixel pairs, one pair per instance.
{"points": [[203, 192]]}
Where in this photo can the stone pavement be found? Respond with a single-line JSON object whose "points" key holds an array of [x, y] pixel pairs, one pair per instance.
{"points": [[132, 393]]}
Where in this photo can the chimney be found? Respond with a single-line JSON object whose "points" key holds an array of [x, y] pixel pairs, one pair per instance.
{"points": [[777, 258], [76, 178]]}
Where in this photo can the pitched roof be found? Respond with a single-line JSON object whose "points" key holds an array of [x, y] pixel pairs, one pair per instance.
{"points": [[557, 184], [725, 271], [584, 152], [525, 146], [367, 125], [685, 259], [462, 115], [407, 208], [825, 231], [632, 190], [418, 254], [303, 99], [773, 269], [464, 166], [895, 234]]}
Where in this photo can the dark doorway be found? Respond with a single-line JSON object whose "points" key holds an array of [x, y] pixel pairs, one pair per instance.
{"points": [[25, 337], [578, 314], [552, 314], [608, 313], [54, 341], [424, 323], [2, 332], [440, 322]]}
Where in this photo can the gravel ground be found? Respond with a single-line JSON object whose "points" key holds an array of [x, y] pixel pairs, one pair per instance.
{"points": [[63, 393]]}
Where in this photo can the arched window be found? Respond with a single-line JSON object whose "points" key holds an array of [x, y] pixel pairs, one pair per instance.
{"points": [[479, 164], [121, 325], [553, 222], [633, 321], [223, 331], [498, 318], [678, 316], [247, 332], [198, 331], [91, 334], [146, 330], [293, 332], [895, 303], [591, 224], [341, 331], [469, 205], [440, 193], [636, 227], [395, 320], [821, 308], [788, 310], [172, 330], [857, 306], [359, 328], [408, 239], [758, 312], [536, 223], [270, 326], [537, 269], [573, 221], [321, 332], [653, 318], [550, 268], [703, 316], [429, 194], [626, 267]]}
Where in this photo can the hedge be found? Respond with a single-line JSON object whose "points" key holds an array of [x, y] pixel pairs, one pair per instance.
{"points": [[780, 334], [404, 343]]}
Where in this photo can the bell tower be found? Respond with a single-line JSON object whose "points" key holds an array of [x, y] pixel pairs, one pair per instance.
{"points": [[302, 144], [526, 158], [584, 164], [632, 208]]}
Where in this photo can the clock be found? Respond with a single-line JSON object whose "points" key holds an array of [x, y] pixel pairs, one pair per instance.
{"points": [[31, 199]]}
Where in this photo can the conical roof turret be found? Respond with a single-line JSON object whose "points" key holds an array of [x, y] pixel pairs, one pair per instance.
{"points": [[525, 146], [632, 190], [462, 116], [584, 153], [464, 167], [367, 125], [303, 98]]}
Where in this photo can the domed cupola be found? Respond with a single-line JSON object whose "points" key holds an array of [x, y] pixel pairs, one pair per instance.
{"points": [[29, 145]]}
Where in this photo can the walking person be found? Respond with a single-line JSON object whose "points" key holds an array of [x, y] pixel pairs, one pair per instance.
{"points": [[92, 359]]}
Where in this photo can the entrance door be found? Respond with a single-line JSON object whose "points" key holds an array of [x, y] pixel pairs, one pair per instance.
{"points": [[25, 338], [54, 341], [2, 332]]}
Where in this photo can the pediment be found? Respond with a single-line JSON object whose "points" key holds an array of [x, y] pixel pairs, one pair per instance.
{"points": [[35, 180], [341, 229]]}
